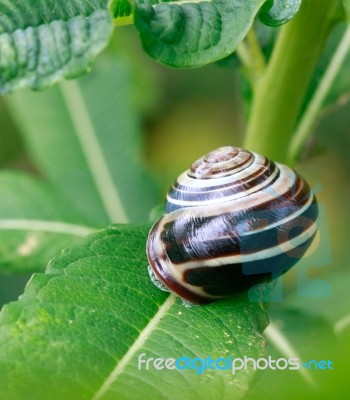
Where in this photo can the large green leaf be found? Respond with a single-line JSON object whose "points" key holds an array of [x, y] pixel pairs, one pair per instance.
{"points": [[35, 223], [78, 330], [44, 41], [84, 136], [191, 33]]}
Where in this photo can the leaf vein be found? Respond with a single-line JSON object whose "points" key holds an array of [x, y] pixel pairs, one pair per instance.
{"points": [[138, 343], [91, 147]]}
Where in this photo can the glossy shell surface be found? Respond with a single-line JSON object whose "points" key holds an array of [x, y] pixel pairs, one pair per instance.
{"points": [[234, 219]]}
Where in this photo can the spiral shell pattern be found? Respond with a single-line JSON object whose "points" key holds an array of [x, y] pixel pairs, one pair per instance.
{"points": [[234, 219]]}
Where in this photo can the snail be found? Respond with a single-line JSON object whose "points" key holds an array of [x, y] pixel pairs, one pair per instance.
{"points": [[233, 220]]}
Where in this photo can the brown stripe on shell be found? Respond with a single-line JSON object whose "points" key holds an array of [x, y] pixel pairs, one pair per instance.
{"points": [[202, 169], [159, 264], [194, 194], [231, 236], [234, 278], [267, 169]]}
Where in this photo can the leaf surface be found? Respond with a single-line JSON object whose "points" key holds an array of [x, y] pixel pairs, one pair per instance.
{"points": [[44, 41], [35, 223], [191, 33], [85, 137], [78, 330]]}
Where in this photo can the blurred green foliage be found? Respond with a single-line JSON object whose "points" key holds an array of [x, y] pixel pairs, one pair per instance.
{"points": [[189, 112], [183, 114]]}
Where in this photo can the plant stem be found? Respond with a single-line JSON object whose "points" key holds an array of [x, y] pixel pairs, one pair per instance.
{"points": [[257, 55], [279, 95], [252, 57], [304, 128], [122, 21]]}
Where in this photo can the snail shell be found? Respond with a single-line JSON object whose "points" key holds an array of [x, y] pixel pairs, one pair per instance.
{"points": [[233, 220]]}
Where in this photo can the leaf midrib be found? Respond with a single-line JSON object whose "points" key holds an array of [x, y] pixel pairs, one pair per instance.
{"points": [[138, 343], [92, 151], [45, 226]]}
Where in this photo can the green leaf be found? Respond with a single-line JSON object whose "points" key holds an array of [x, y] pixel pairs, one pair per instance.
{"points": [[78, 330], [44, 41], [35, 224], [193, 33], [278, 12], [85, 138]]}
